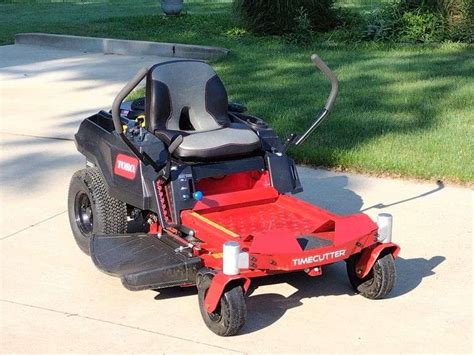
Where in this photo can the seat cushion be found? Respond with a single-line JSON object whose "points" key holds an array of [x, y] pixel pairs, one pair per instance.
{"points": [[218, 144]]}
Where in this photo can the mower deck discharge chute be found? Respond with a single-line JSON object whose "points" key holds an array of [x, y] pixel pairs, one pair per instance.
{"points": [[182, 188]]}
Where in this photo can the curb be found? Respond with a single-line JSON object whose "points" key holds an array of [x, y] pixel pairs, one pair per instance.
{"points": [[120, 46]]}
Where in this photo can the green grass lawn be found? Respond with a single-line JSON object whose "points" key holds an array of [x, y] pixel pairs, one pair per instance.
{"points": [[402, 109], [361, 6]]}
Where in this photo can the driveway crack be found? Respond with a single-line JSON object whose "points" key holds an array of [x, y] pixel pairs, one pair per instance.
{"points": [[68, 314], [33, 225]]}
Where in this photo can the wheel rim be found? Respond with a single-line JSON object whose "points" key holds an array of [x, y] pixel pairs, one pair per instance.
{"points": [[83, 213], [369, 279], [216, 316]]}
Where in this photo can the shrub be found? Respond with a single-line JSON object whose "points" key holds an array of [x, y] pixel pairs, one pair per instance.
{"points": [[382, 24], [459, 19], [280, 17], [421, 27], [302, 33], [423, 21]]}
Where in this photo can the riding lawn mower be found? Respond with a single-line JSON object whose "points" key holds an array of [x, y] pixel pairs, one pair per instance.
{"points": [[212, 188]]}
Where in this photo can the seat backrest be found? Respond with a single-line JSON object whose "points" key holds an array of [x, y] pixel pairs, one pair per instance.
{"points": [[185, 95]]}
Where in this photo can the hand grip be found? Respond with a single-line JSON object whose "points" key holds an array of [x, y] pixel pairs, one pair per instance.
{"points": [[332, 78], [122, 95]]}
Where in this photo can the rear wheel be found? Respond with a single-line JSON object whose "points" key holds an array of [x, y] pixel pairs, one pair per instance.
{"points": [[231, 312], [92, 210], [380, 280]]}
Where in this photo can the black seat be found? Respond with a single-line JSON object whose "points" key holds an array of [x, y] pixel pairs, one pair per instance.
{"points": [[186, 97]]}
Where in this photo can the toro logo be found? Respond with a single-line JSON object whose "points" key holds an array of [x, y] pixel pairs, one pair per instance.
{"points": [[126, 166]]}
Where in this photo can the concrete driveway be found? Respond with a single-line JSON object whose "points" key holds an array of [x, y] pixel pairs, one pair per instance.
{"points": [[53, 299]]}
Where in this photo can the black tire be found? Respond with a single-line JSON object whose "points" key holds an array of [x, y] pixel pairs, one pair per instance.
{"points": [[380, 280], [92, 210], [231, 312]]}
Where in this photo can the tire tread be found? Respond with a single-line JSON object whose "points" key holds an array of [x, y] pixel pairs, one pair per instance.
{"points": [[380, 280], [110, 214], [232, 305]]}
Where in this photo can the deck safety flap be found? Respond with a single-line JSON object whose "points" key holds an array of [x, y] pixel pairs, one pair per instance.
{"points": [[275, 241]]}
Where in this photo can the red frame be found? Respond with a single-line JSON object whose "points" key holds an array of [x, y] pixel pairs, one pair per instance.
{"points": [[244, 207]]}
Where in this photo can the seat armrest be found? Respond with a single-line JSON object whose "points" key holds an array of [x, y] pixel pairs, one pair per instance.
{"points": [[168, 135]]}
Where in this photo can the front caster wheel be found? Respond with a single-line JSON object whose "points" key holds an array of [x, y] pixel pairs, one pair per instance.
{"points": [[380, 280], [231, 312]]}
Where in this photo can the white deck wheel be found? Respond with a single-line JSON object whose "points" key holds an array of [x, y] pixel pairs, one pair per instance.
{"points": [[230, 260], [384, 222]]}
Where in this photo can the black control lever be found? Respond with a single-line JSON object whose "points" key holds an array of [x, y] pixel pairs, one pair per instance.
{"points": [[289, 141], [164, 173]]}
